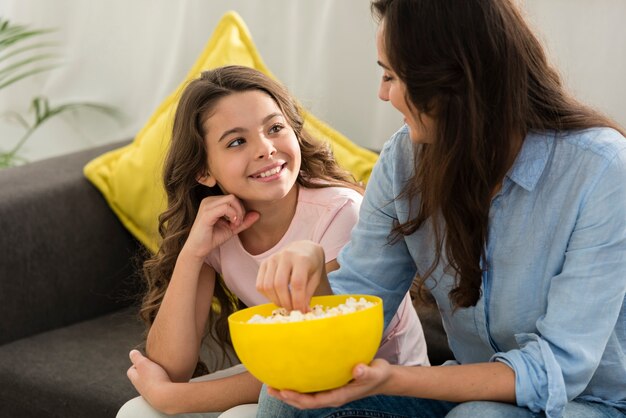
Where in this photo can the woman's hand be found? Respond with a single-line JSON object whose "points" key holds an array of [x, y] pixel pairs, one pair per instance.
{"points": [[368, 380], [150, 379], [290, 277], [219, 218]]}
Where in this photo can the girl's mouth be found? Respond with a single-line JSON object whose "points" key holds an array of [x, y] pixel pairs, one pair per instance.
{"points": [[269, 173]]}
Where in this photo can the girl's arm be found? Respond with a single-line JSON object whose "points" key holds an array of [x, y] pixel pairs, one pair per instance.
{"points": [[176, 334], [153, 383], [481, 381]]}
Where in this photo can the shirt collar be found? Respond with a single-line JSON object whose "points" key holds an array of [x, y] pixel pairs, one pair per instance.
{"points": [[531, 160]]}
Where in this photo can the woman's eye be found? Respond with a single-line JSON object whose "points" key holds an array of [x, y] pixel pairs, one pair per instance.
{"points": [[235, 143], [387, 78], [276, 128]]}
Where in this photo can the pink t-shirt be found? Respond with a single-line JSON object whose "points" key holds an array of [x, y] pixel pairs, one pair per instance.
{"points": [[325, 216]]}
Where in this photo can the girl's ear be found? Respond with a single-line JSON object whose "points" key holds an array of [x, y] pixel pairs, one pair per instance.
{"points": [[207, 179]]}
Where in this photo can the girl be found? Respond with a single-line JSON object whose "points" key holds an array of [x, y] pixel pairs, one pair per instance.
{"points": [[242, 179], [508, 199]]}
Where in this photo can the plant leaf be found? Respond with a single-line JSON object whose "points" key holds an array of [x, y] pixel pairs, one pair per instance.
{"points": [[13, 34], [17, 51], [20, 60], [14, 43], [6, 71], [44, 111], [26, 74]]}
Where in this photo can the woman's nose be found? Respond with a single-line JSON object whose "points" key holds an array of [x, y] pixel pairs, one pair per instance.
{"points": [[383, 92]]}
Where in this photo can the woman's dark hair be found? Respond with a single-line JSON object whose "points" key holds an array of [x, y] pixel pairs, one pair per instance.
{"points": [[187, 157], [476, 67]]}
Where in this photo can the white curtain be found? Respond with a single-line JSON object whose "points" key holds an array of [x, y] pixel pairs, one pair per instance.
{"points": [[131, 54]]}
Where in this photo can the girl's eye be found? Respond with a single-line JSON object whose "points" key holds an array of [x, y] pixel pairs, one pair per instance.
{"points": [[387, 78], [276, 128], [235, 143]]}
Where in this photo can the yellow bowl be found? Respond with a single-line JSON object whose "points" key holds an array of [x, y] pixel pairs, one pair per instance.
{"points": [[312, 355]]}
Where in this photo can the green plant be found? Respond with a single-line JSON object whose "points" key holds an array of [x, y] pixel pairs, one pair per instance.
{"points": [[24, 52]]}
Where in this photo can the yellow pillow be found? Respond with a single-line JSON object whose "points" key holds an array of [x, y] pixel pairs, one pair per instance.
{"points": [[130, 177]]}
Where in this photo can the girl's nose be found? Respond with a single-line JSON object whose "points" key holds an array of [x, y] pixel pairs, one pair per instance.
{"points": [[266, 148]]}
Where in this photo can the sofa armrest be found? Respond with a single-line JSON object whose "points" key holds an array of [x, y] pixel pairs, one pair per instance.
{"points": [[64, 256]]}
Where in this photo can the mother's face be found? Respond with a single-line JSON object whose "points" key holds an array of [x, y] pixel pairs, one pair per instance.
{"points": [[393, 90]]}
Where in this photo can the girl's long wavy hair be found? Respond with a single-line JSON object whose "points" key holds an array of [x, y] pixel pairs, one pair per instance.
{"points": [[477, 69], [187, 157]]}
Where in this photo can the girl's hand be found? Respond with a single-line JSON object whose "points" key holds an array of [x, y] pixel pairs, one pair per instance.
{"points": [[219, 218], [150, 379], [290, 277], [368, 380]]}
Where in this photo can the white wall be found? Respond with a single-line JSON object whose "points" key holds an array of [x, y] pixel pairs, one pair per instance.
{"points": [[587, 41], [133, 53]]}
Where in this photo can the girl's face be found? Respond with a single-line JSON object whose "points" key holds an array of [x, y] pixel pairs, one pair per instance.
{"points": [[253, 152], [393, 90]]}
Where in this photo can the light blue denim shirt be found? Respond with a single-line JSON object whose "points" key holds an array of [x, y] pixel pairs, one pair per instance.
{"points": [[552, 304]]}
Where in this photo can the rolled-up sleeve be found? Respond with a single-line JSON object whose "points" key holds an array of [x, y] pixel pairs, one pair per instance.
{"points": [[539, 384]]}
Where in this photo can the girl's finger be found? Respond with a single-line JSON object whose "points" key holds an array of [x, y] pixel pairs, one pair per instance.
{"points": [[281, 283], [260, 280], [230, 214], [132, 374], [259, 277], [135, 356], [249, 219], [265, 280], [237, 206], [299, 286], [227, 207]]}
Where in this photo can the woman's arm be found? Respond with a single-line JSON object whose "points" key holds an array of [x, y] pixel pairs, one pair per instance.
{"points": [[456, 383], [482, 381]]}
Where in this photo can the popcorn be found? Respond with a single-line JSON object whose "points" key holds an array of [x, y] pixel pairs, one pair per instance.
{"points": [[281, 315]]}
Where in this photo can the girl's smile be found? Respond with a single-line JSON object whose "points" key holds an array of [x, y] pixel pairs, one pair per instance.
{"points": [[269, 173]]}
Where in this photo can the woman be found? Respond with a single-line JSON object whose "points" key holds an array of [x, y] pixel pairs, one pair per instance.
{"points": [[507, 198]]}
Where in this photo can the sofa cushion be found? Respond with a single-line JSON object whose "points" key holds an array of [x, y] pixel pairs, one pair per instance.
{"points": [[130, 177], [79, 370]]}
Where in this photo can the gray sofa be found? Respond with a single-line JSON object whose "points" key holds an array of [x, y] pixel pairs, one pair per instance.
{"points": [[68, 295]]}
